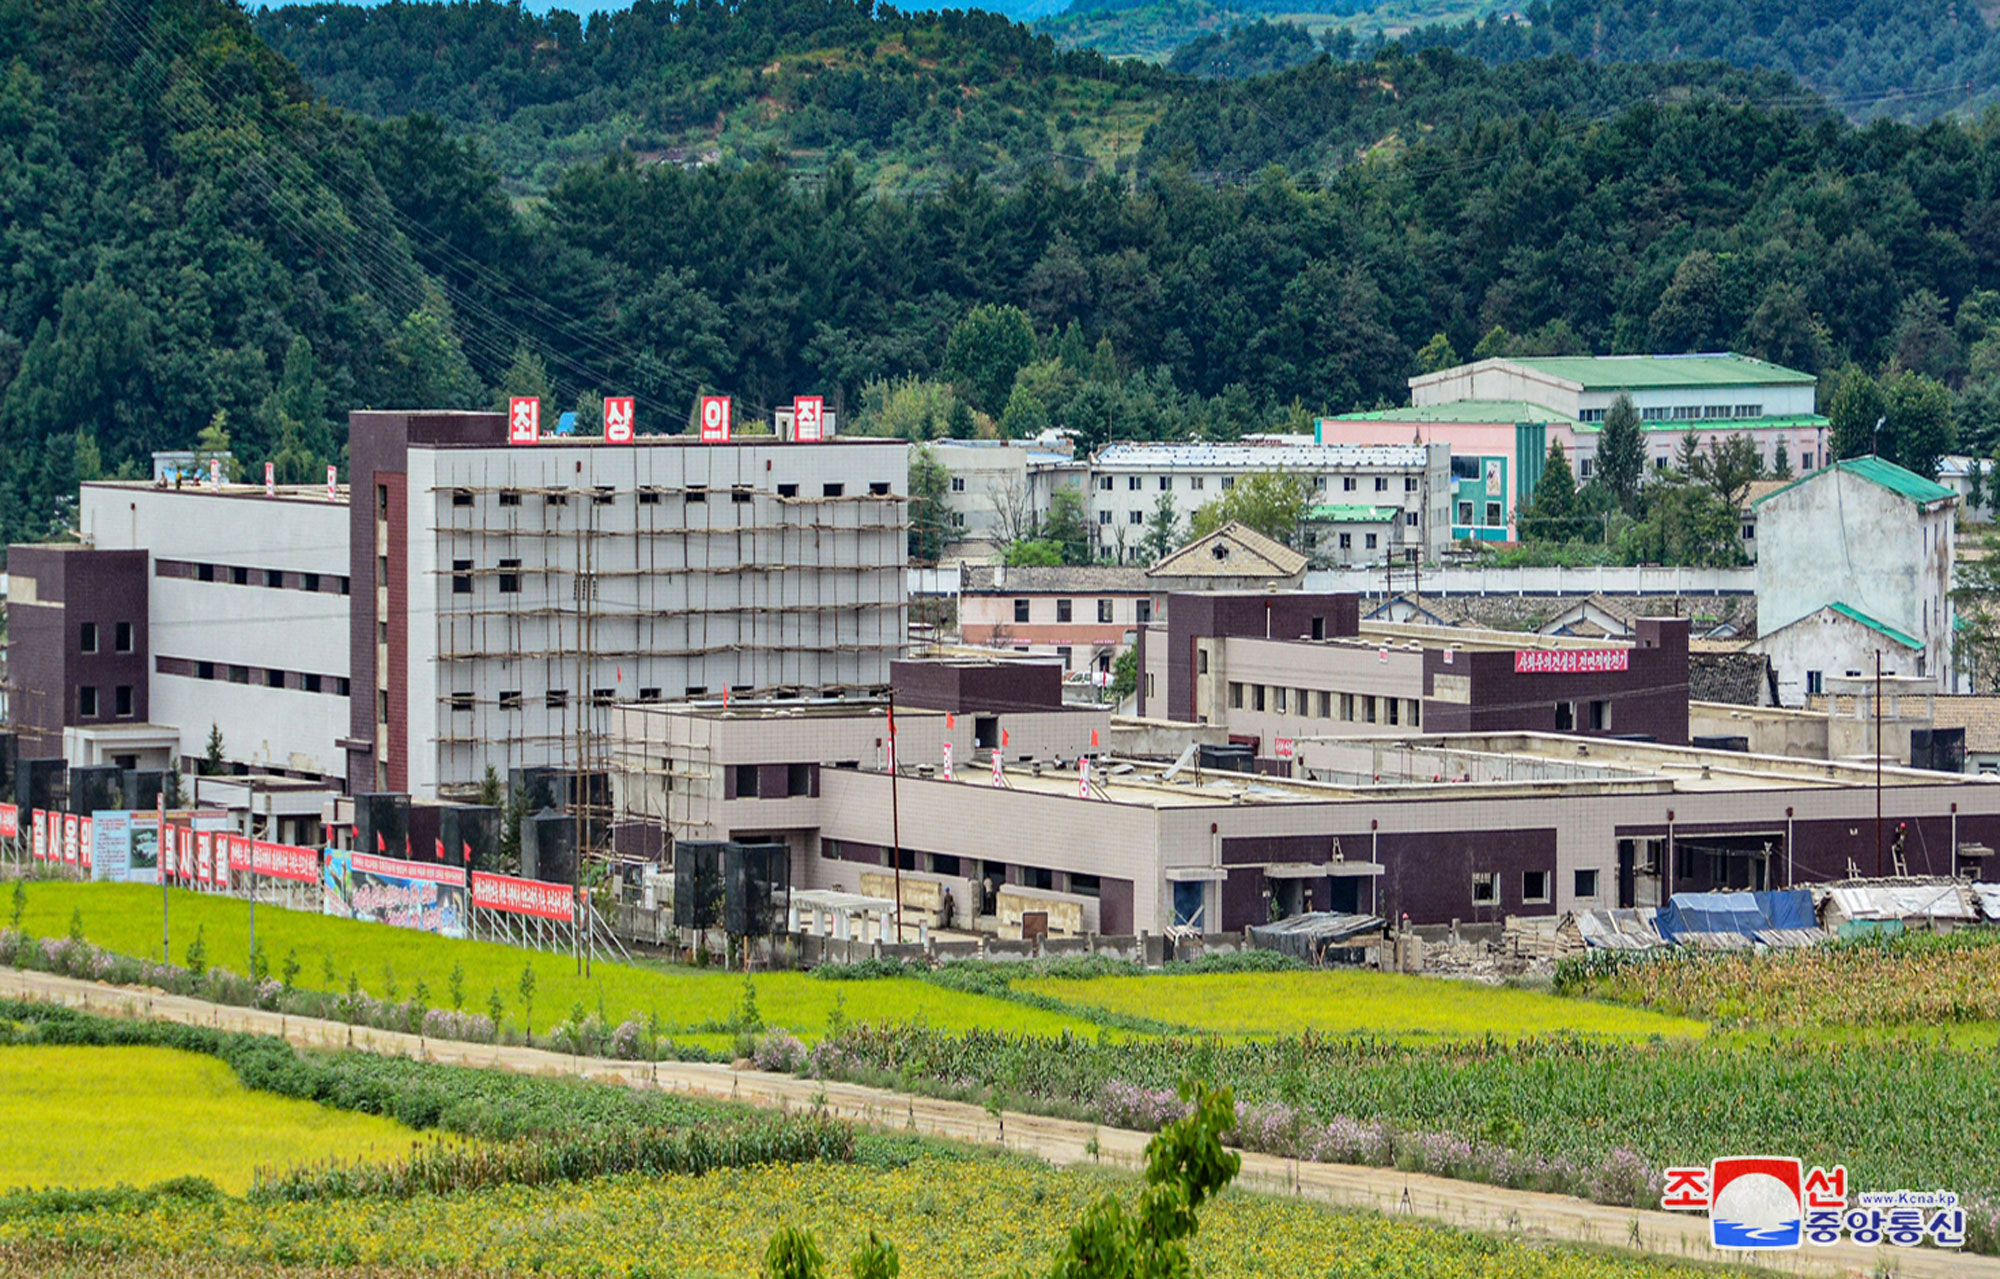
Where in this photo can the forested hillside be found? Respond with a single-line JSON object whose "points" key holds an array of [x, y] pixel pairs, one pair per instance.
{"points": [[184, 233], [1891, 59]]}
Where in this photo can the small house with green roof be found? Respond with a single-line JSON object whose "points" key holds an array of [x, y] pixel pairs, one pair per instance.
{"points": [[1852, 560]]}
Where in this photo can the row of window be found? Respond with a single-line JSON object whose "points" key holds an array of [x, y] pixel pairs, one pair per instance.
{"points": [[1495, 515], [994, 873], [1346, 540], [606, 495], [87, 639], [1534, 886], [1348, 708], [277, 579], [1136, 483], [1066, 610], [1684, 413], [90, 706], [261, 676]]}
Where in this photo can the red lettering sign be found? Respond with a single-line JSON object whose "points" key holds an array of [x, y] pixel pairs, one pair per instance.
{"points": [[522, 896], [1570, 661], [714, 419], [369, 863], [10, 822], [618, 420], [807, 411], [524, 420]]}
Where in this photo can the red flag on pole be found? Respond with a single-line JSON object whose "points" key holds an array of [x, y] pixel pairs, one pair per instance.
{"points": [[381, 845], [468, 854], [440, 848]]}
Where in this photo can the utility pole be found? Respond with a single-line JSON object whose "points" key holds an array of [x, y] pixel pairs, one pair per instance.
{"points": [[895, 819], [160, 863], [1878, 759]]}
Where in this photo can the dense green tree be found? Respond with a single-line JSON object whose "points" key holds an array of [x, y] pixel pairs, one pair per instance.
{"points": [[1555, 513], [527, 375], [1067, 526], [1271, 502], [1854, 408], [1920, 429], [1436, 354], [1033, 553], [1161, 529], [930, 522], [1621, 452], [986, 349], [1728, 466]]}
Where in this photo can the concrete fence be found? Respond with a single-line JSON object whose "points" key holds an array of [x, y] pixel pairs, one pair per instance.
{"points": [[1601, 579]]}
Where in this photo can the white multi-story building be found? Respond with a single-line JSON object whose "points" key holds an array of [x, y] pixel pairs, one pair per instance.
{"points": [[506, 597], [1000, 490], [1127, 481]]}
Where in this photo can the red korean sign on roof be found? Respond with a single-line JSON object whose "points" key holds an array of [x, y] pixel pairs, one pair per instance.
{"points": [[1570, 661]]}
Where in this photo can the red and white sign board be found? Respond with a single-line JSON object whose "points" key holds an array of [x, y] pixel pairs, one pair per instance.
{"points": [[1570, 661], [1083, 776], [998, 779], [72, 831], [38, 834], [522, 896], [215, 473], [946, 769], [396, 868], [204, 857], [10, 822], [714, 419], [333, 483], [1283, 747], [618, 419], [270, 479], [808, 412], [273, 861], [85, 833], [184, 851], [524, 420]]}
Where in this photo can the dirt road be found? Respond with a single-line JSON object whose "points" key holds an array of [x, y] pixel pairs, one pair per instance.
{"points": [[1057, 1141]]}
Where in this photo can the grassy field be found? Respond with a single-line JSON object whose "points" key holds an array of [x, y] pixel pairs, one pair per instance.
{"points": [[82, 1118], [1250, 1005], [692, 1005], [948, 1217]]}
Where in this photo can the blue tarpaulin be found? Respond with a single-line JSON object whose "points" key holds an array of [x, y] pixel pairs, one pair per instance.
{"points": [[1746, 913]]}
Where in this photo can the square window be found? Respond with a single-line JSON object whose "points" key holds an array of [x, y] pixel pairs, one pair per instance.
{"points": [[86, 701], [604, 495], [121, 701], [788, 490], [1143, 610], [1600, 716], [556, 499], [1347, 541], [1063, 610], [274, 577], [462, 702], [1368, 540], [341, 686], [1565, 717], [1347, 484], [461, 577], [1534, 886], [1166, 484], [1104, 517], [121, 636], [1586, 883], [510, 497], [204, 572], [1104, 483], [1256, 697], [461, 497], [746, 781], [1485, 888], [510, 699], [1104, 610], [697, 493], [1197, 482], [1278, 700], [1493, 519], [603, 696], [1381, 484], [310, 683], [649, 694], [878, 488], [958, 484], [832, 490], [798, 779], [1326, 705], [274, 679], [557, 699], [1132, 483], [1020, 610], [649, 497], [239, 575], [1062, 655], [309, 582], [510, 582], [1235, 696], [1229, 481], [87, 638], [1135, 517], [1465, 512], [239, 675], [204, 670], [1409, 483], [1410, 518]]}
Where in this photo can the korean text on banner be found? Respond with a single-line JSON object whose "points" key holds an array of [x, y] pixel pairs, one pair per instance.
{"points": [[522, 896], [281, 861], [1570, 661], [38, 834], [618, 419], [524, 420], [10, 822], [715, 419], [71, 833], [808, 413], [419, 895], [86, 831]]}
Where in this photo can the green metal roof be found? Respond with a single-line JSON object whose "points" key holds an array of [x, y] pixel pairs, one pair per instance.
{"points": [[1881, 628], [1723, 424], [1337, 514], [1644, 372], [1500, 411], [1875, 470]]}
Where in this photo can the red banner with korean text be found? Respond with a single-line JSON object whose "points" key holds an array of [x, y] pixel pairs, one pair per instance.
{"points": [[273, 861], [10, 822], [522, 896], [1570, 661]]}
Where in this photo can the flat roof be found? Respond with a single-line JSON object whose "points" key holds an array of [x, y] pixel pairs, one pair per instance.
{"points": [[1261, 456], [1485, 412], [314, 494], [1642, 372]]}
